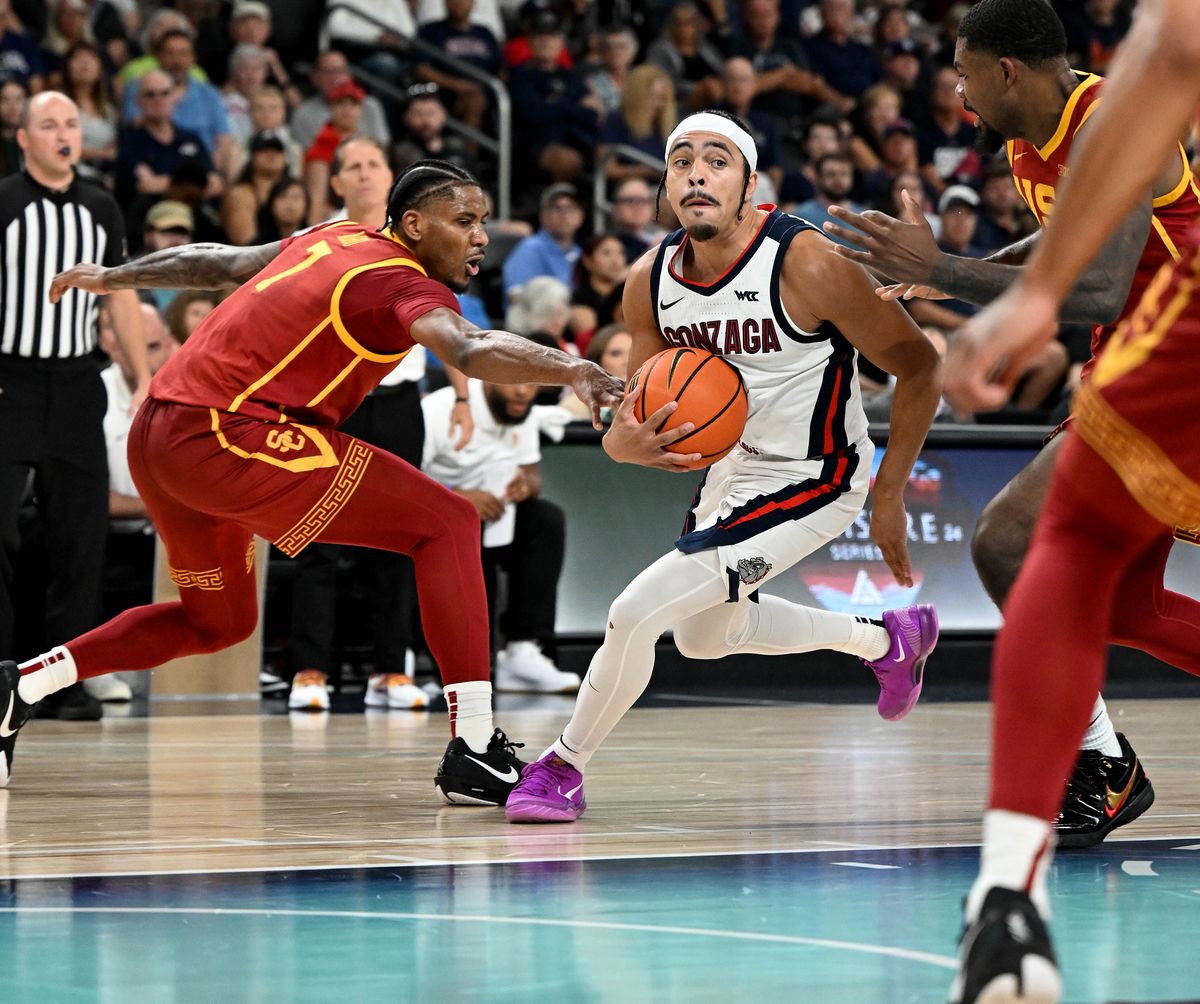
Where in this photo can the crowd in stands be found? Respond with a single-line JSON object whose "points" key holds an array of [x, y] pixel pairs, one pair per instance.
{"points": [[221, 121]]}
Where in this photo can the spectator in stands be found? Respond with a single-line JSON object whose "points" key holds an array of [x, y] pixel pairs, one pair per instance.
{"points": [[345, 117], [372, 35], [556, 118], [425, 123], [151, 149], [893, 203], [1094, 29], [20, 57], [644, 122], [693, 63], [897, 153], [632, 219], [330, 71], [188, 184], [542, 307], [499, 472], [608, 348], [266, 167], [187, 310], [781, 65], [197, 106], [84, 82], [846, 64], [880, 106], [250, 23], [13, 96], [835, 182], [552, 249], [268, 114], [946, 142], [740, 83], [247, 76], [285, 211], [821, 134], [904, 70], [169, 224], [129, 552], [483, 12], [598, 287], [958, 208], [68, 25], [458, 36], [618, 50], [1004, 218], [162, 21]]}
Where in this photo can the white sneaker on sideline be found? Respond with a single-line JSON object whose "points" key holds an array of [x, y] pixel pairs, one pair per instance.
{"points": [[109, 687], [395, 691], [269, 684], [522, 668], [310, 691]]}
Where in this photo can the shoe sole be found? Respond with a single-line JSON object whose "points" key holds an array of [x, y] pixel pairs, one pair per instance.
{"points": [[535, 813], [455, 797], [1132, 810], [307, 707], [928, 619]]}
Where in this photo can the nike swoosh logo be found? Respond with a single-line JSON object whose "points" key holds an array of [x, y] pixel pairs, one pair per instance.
{"points": [[571, 793], [1113, 807], [5, 731], [900, 645], [668, 306], [1018, 157], [511, 776]]}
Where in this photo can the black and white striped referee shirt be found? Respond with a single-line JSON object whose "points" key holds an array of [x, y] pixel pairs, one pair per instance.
{"points": [[43, 232]]}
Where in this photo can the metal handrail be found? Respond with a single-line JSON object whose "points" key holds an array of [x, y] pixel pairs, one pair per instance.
{"points": [[501, 145], [601, 206]]}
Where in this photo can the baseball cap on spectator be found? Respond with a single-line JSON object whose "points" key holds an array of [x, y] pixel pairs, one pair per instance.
{"points": [[250, 8], [170, 215], [559, 190], [544, 21], [903, 47], [958, 195], [346, 90], [899, 125], [268, 139]]}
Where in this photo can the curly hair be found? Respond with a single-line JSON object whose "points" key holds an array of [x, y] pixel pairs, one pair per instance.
{"points": [[1027, 30]]}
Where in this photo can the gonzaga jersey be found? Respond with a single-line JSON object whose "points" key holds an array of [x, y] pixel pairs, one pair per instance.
{"points": [[804, 401], [310, 335], [1038, 171]]}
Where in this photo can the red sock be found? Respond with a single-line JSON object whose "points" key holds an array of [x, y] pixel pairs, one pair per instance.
{"points": [[1050, 659]]}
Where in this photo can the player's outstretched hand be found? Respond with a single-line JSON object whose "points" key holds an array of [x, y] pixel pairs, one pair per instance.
{"points": [[629, 441], [903, 250], [889, 530], [90, 277], [597, 388], [989, 353]]}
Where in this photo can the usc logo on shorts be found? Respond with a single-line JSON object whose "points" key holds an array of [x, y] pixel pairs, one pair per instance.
{"points": [[285, 440]]}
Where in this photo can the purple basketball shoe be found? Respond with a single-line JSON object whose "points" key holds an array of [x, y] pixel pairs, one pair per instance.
{"points": [[550, 791], [914, 632]]}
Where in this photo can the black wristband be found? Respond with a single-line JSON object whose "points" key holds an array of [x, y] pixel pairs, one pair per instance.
{"points": [[460, 400]]}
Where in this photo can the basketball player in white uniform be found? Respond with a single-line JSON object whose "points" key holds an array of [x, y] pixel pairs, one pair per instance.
{"points": [[767, 292]]}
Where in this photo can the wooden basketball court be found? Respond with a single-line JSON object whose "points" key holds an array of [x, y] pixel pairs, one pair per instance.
{"points": [[785, 852]]}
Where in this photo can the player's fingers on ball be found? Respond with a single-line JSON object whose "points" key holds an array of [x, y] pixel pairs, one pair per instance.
{"points": [[674, 435], [681, 461], [661, 415]]}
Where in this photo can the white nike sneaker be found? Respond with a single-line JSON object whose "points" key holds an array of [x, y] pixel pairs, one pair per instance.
{"points": [[396, 691], [310, 691], [109, 687], [522, 668]]}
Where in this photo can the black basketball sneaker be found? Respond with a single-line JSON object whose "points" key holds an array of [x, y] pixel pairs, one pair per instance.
{"points": [[465, 777], [1104, 792], [1005, 957], [14, 713]]}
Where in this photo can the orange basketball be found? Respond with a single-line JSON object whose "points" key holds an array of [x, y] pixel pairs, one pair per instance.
{"points": [[710, 393]]}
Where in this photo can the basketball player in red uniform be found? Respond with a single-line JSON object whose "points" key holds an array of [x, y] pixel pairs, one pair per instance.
{"points": [[1125, 478], [239, 437], [1011, 58]]}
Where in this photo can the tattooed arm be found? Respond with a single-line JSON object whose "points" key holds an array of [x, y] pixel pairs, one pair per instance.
{"points": [[191, 266], [905, 252]]}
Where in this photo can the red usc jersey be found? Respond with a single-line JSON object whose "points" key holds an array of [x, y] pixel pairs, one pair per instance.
{"points": [[1038, 172], [307, 338]]}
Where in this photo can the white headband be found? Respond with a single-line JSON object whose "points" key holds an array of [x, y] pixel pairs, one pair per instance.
{"points": [[708, 122]]}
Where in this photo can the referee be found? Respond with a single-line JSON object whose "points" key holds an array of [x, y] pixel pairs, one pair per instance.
{"points": [[52, 401]]}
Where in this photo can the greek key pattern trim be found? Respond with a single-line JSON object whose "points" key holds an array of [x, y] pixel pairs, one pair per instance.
{"points": [[349, 474], [209, 580]]}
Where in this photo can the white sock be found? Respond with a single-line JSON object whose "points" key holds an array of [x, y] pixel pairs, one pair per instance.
{"points": [[470, 707], [576, 758], [46, 675], [1017, 850], [1100, 734]]}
